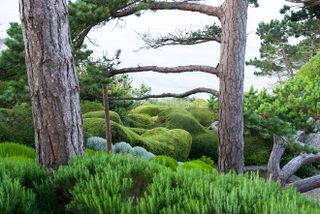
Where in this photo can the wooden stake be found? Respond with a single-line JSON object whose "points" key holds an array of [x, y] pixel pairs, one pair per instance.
{"points": [[107, 118]]}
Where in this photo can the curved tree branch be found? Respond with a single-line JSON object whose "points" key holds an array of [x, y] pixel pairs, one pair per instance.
{"points": [[214, 126], [184, 6], [165, 95], [166, 70], [292, 166], [307, 184]]}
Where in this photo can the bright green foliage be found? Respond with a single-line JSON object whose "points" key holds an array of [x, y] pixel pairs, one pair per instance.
{"points": [[149, 109], [166, 161], [197, 164], [96, 143], [16, 124], [139, 121], [8, 149], [89, 106], [175, 143], [114, 116], [138, 131], [14, 198], [90, 152]]}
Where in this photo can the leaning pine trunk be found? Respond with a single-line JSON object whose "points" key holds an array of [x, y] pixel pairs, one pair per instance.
{"points": [[53, 83], [233, 44]]}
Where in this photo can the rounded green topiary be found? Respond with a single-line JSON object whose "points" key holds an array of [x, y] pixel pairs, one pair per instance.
{"points": [[139, 121], [203, 114], [166, 161], [149, 109], [8, 149], [114, 116]]}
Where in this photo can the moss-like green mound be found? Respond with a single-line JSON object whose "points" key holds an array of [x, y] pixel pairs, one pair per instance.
{"points": [[114, 116], [175, 143], [8, 149], [166, 161], [136, 120], [149, 109], [115, 184], [89, 106], [174, 118]]}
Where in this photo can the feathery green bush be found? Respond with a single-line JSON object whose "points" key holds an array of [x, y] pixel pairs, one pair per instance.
{"points": [[197, 164], [166, 161], [8, 149]]}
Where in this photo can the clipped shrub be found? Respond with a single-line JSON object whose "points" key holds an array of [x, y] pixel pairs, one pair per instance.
{"points": [[197, 164], [96, 143], [166, 161], [138, 131], [14, 198], [94, 127], [149, 109], [90, 152], [175, 143], [16, 125], [203, 115], [138, 151], [89, 106], [122, 148], [139, 121], [114, 116], [8, 149]]}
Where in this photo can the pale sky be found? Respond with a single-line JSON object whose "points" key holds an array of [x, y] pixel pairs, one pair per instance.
{"points": [[123, 34]]}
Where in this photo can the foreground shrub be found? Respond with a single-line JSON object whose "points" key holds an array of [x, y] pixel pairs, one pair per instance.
{"points": [[106, 183], [8, 149]]}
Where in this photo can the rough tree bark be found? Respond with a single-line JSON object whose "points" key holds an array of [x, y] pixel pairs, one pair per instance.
{"points": [[275, 157], [232, 61], [53, 83]]}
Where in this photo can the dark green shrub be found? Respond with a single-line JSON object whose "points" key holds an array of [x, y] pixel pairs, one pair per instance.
{"points": [[138, 131], [114, 116], [89, 106], [14, 198], [8, 149], [256, 150], [166, 161], [205, 143], [197, 164], [16, 125], [139, 121]]}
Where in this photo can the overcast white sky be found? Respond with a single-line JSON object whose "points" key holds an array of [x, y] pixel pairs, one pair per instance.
{"points": [[123, 35]]}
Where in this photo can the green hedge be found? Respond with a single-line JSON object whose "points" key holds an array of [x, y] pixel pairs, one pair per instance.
{"points": [[123, 184], [114, 116], [8, 149]]}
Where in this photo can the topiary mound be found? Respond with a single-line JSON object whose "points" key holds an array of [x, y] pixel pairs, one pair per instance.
{"points": [[8, 149], [149, 109], [175, 143], [166, 161], [139, 121], [114, 116], [203, 114], [197, 164], [123, 184]]}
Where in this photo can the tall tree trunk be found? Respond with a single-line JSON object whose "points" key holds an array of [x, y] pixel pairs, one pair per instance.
{"points": [[234, 25], [54, 86]]}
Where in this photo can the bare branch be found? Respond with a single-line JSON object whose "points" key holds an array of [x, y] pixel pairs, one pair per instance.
{"points": [[184, 6], [307, 184], [165, 95], [178, 69], [275, 157], [214, 126], [292, 166]]}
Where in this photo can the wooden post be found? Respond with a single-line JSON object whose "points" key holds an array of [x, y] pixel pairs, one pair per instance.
{"points": [[107, 118]]}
